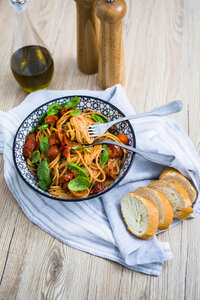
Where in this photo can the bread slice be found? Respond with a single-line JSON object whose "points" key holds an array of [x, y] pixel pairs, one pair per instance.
{"points": [[162, 204], [140, 215], [177, 196], [174, 176]]}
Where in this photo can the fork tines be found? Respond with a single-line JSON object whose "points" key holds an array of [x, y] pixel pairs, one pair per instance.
{"points": [[92, 131]]}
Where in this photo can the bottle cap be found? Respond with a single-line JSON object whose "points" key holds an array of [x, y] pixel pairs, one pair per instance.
{"points": [[19, 5]]}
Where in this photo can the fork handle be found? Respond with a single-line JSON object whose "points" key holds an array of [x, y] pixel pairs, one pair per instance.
{"points": [[159, 158], [164, 110]]}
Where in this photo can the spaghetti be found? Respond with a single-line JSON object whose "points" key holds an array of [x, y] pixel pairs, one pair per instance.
{"points": [[56, 154]]}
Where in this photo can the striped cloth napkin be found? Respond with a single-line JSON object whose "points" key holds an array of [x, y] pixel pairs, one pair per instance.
{"points": [[96, 226]]}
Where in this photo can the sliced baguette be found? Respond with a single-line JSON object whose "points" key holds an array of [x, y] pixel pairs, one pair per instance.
{"points": [[162, 204], [177, 196], [176, 177], [140, 215]]}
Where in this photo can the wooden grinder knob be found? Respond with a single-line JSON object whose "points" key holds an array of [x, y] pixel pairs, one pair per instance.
{"points": [[87, 36], [111, 68]]}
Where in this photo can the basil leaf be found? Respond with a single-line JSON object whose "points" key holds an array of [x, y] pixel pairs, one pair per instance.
{"points": [[42, 118], [44, 126], [43, 174], [86, 149], [78, 169], [72, 103], [53, 109], [104, 157], [82, 147], [44, 144], [103, 147], [79, 184], [43, 185], [33, 130], [75, 112], [77, 147], [98, 118], [35, 157]]}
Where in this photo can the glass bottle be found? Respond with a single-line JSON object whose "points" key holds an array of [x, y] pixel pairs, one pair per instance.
{"points": [[31, 63]]}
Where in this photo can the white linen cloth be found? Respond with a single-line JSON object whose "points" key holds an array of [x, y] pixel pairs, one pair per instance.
{"points": [[96, 226]]}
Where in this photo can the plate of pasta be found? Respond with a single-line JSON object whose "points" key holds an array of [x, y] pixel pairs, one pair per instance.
{"points": [[51, 156]]}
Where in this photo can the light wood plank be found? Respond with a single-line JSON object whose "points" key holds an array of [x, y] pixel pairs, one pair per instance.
{"points": [[162, 45]]}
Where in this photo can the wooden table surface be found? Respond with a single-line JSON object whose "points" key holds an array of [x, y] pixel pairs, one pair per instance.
{"points": [[162, 53]]}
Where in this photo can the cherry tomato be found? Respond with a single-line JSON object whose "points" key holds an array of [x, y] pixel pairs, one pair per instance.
{"points": [[37, 145], [98, 187], [51, 119], [114, 151], [66, 178], [64, 110], [27, 152], [30, 145], [123, 138], [65, 187], [53, 141], [31, 136], [52, 152], [110, 172], [79, 194], [65, 150], [61, 135]]}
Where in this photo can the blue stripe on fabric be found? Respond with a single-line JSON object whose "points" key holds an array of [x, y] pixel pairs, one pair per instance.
{"points": [[25, 209]]}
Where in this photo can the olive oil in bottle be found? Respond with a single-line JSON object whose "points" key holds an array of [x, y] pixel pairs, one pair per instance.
{"points": [[31, 62], [32, 67]]}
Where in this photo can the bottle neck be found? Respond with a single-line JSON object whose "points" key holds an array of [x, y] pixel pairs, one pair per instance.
{"points": [[25, 33]]}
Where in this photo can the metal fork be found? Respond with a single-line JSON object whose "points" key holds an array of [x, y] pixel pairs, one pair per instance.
{"points": [[159, 158], [164, 110]]}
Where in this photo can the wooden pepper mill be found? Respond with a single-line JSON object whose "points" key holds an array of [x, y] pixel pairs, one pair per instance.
{"points": [[87, 36], [111, 67]]}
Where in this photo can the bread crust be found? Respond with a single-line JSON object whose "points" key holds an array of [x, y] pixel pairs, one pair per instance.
{"points": [[187, 209], [174, 176], [185, 213], [167, 212], [152, 224]]}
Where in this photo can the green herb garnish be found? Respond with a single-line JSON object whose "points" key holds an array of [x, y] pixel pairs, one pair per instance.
{"points": [[42, 118], [86, 149], [104, 156], [53, 109], [43, 127], [79, 184], [75, 112], [80, 148], [44, 144], [43, 175], [35, 157], [32, 130], [99, 119], [77, 147], [43, 185], [72, 103], [103, 147], [78, 169]]}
